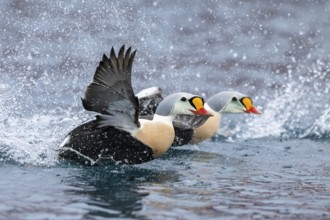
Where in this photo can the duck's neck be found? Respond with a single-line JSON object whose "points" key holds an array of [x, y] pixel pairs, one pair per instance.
{"points": [[211, 110]]}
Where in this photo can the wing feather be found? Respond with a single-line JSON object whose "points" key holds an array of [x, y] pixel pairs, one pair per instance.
{"points": [[111, 92]]}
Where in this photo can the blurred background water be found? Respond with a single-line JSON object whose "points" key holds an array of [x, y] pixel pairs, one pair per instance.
{"points": [[275, 165]]}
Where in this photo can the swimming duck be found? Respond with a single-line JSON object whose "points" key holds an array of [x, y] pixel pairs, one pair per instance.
{"points": [[205, 127], [117, 134]]}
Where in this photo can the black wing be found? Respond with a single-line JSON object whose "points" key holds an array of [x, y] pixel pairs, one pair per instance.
{"points": [[111, 92], [189, 121], [149, 100]]}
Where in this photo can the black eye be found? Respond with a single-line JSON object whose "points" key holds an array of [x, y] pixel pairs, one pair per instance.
{"points": [[234, 99], [183, 99]]}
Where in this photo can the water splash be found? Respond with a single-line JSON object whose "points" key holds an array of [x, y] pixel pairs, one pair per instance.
{"points": [[299, 110], [320, 129], [34, 139], [31, 140]]}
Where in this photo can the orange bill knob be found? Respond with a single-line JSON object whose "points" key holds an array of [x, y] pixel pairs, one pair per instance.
{"points": [[247, 102], [198, 103]]}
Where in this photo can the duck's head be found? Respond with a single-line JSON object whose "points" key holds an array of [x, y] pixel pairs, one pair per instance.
{"points": [[181, 104], [232, 102]]}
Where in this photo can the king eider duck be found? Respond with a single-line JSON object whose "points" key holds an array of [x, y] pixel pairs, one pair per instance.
{"points": [[117, 135], [194, 129]]}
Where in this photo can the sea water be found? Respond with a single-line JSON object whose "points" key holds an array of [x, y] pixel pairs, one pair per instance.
{"points": [[274, 165]]}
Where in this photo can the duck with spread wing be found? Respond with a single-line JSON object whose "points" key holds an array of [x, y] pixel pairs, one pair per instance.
{"points": [[117, 134]]}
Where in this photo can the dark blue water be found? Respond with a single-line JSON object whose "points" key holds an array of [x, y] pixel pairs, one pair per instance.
{"points": [[272, 166]]}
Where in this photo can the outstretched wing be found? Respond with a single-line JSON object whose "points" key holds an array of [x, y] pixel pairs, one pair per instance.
{"points": [[111, 92]]}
